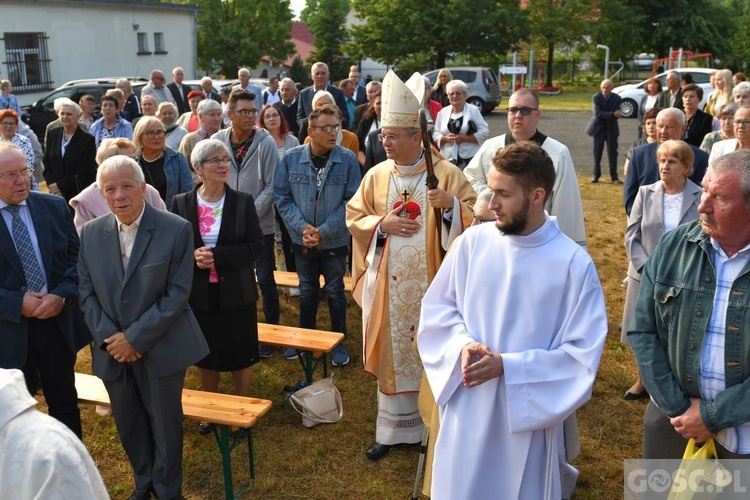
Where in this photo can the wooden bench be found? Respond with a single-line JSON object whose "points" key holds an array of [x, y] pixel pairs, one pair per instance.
{"points": [[312, 346], [291, 280], [222, 410]]}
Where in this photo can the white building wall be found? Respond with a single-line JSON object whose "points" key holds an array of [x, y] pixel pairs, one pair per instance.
{"points": [[90, 41]]}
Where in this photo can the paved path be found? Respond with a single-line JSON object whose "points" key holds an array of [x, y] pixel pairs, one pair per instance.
{"points": [[568, 127]]}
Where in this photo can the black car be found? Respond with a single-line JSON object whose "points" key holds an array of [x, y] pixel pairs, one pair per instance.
{"points": [[42, 112]]}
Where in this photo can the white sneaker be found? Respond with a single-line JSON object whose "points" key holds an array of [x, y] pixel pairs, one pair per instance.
{"points": [[103, 411]]}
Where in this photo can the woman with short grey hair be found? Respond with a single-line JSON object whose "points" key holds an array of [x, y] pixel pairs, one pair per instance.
{"points": [[742, 94], [460, 129], [228, 241], [210, 115], [167, 113]]}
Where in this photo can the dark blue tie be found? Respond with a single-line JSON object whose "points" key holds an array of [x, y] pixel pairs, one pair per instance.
{"points": [[34, 277]]}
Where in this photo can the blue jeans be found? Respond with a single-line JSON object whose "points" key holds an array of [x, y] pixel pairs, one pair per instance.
{"points": [[309, 270], [264, 272]]}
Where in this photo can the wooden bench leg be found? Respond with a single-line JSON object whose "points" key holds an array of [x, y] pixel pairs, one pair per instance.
{"points": [[310, 363], [223, 436]]}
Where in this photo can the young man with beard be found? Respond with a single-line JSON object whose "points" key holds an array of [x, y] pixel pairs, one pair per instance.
{"points": [[515, 314]]}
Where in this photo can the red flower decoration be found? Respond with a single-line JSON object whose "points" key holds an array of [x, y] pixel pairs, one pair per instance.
{"points": [[205, 218]]}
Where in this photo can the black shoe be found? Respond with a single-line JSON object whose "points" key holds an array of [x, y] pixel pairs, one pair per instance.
{"points": [[265, 351], [377, 451], [629, 396], [140, 495], [594, 180], [616, 181], [205, 428]]}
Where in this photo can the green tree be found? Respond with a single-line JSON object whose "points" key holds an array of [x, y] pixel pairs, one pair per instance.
{"points": [[299, 72], [555, 23], [739, 40], [327, 22], [236, 33], [396, 30]]}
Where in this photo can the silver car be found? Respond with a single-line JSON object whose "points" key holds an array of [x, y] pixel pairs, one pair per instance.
{"points": [[632, 94], [484, 91]]}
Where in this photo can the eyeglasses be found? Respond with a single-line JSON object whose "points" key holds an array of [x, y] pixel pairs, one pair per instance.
{"points": [[525, 111], [8, 124], [11, 176], [215, 162], [742, 122], [328, 128], [393, 137], [478, 220], [268, 116], [154, 134], [246, 112]]}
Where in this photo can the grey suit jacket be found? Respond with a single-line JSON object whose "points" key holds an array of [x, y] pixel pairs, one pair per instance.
{"points": [[646, 221], [148, 301]]}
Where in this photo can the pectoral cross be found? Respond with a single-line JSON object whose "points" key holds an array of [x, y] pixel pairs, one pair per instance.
{"points": [[405, 196]]}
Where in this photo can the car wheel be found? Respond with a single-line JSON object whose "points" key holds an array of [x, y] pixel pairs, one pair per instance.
{"points": [[477, 103], [628, 108]]}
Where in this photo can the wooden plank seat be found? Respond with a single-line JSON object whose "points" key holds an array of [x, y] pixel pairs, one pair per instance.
{"points": [[223, 410], [312, 346], [288, 279]]}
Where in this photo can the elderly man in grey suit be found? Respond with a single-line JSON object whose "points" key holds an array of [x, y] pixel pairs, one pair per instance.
{"points": [[136, 271]]}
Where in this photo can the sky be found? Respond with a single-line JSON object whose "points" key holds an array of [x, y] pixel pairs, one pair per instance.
{"points": [[297, 6]]}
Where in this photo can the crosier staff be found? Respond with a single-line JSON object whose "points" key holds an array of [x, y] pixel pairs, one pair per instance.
{"points": [[431, 181]]}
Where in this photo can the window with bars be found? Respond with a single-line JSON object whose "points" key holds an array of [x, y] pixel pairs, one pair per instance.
{"points": [[159, 44], [143, 43], [27, 61]]}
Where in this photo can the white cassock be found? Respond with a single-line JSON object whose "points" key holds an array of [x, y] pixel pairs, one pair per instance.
{"points": [[537, 300]]}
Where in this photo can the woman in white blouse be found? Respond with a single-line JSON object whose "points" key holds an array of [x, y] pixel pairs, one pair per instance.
{"points": [[459, 128], [658, 208]]}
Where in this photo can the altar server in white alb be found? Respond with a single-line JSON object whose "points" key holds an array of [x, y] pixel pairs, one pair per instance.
{"points": [[510, 334]]}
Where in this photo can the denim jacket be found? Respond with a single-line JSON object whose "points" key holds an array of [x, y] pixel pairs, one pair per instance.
{"points": [[672, 313], [179, 178], [295, 189], [123, 128]]}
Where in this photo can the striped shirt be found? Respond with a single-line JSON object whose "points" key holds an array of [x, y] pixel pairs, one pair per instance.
{"points": [[712, 381]]}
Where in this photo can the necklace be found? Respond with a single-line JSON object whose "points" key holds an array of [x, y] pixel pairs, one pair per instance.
{"points": [[143, 155]]}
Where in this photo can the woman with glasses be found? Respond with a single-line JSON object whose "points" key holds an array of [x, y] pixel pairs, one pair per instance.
{"points": [[9, 133], [274, 122], [741, 140], [460, 128], [210, 115], [228, 241], [164, 168], [726, 119]]}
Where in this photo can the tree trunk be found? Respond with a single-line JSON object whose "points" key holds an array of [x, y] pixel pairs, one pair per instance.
{"points": [[440, 60], [550, 63]]}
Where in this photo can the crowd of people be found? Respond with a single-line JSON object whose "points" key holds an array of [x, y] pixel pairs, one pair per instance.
{"points": [[161, 223]]}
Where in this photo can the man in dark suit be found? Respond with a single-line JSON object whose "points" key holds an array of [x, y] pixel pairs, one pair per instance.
{"points": [[288, 104], [136, 270], [41, 327], [360, 92], [207, 87], [671, 97], [179, 91], [603, 128], [644, 166], [320, 76]]}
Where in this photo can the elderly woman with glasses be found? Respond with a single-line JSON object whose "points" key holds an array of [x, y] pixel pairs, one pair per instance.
{"points": [[164, 168], [726, 119], [9, 133], [228, 241], [460, 128], [741, 140], [210, 114]]}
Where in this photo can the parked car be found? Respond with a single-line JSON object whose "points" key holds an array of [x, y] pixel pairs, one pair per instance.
{"points": [[39, 114], [644, 60], [633, 93], [484, 91]]}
